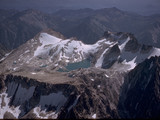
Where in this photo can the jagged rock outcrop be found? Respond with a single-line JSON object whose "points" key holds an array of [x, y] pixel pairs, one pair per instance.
{"points": [[2, 84], [76, 98], [89, 25], [44, 78], [140, 96], [28, 96], [82, 93], [111, 56], [51, 51], [98, 94], [132, 45]]}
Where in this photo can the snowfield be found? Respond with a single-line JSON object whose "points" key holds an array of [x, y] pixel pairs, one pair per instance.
{"points": [[66, 49], [50, 52]]}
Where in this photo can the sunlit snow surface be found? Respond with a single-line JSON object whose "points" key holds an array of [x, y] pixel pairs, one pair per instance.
{"points": [[4, 106], [66, 49], [42, 114], [106, 76], [100, 59], [121, 46], [130, 59], [131, 63], [133, 59], [22, 96], [5, 56], [94, 116]]}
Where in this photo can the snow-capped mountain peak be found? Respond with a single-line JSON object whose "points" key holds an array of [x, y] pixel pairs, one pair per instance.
{"points": [[50, 50]]}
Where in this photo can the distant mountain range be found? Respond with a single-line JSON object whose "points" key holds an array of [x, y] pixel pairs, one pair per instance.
{"points": [[6, 14], [86, 24], [74, 64], [3, 51]]}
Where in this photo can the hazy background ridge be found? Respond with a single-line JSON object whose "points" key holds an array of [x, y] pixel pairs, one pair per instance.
{"points": [[143, 7]]}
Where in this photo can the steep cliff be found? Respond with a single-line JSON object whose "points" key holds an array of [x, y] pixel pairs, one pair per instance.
{"points": [[140, 96], [24, 97]]}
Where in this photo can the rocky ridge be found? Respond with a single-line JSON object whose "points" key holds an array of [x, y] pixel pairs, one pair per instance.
{"points": [[140, 91], [33, 86], [118, 94], [76, 98], [49, 50]]}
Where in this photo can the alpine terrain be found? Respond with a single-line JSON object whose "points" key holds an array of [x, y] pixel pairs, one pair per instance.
{"points": [[51, 76]]}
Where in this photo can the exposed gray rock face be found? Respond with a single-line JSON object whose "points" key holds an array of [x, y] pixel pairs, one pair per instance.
{"points": [[132, 45], [31, 86], [111, 57], [75, 99], [83, 93], [98, 94], [31, 95], [146, 48], [51, 51]]}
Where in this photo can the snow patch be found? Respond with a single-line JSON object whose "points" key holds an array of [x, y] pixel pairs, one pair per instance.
{"points": [[67, 61], [121, 47], [5, 56], [15, 68], [45, 39], [27, 51], [155, 52], [56, 65], [42, 114], [94, 116], [132, 63], [106, 76], [4, 106], [108, 42], [100, 60], [92, 79], [33, 73]]}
